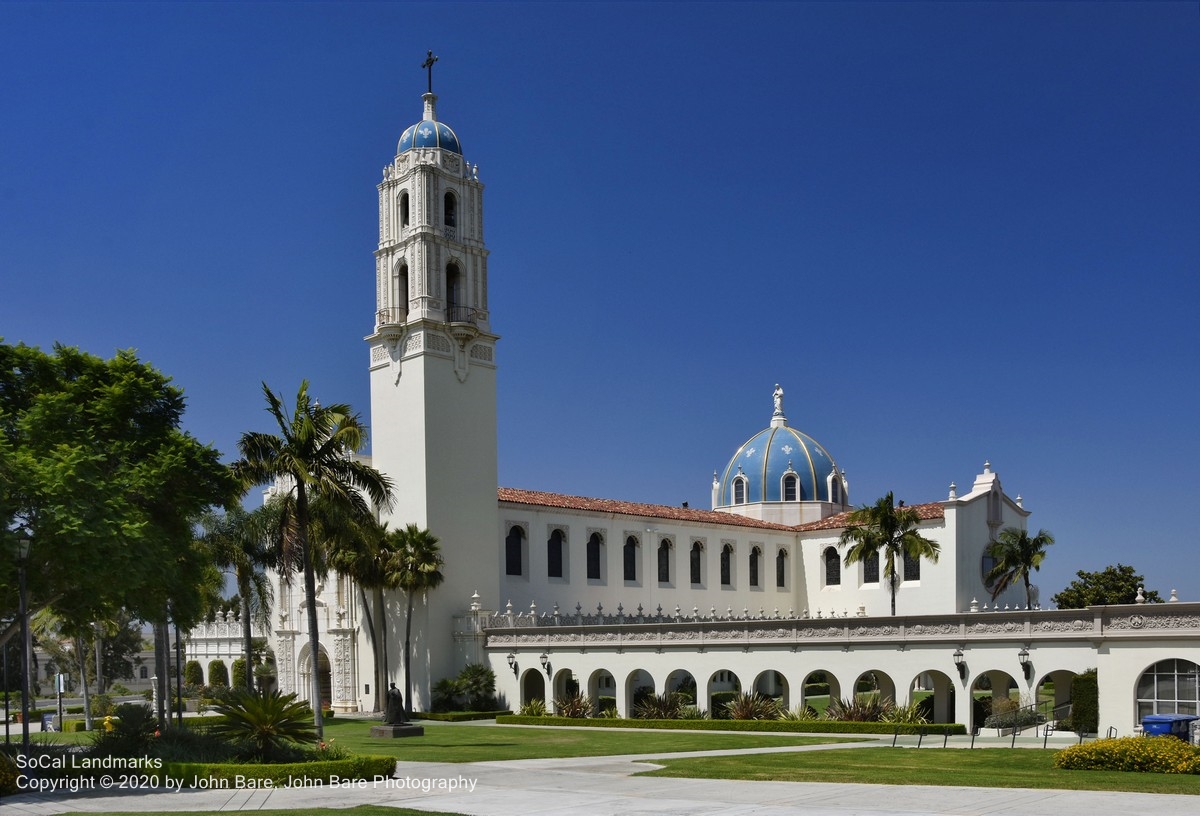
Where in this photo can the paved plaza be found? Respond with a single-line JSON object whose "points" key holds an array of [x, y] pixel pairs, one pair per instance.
{"points": [[606, 786]]}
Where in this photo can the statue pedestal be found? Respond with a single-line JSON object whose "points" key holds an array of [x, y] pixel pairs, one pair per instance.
{"points": [[391, 731]]}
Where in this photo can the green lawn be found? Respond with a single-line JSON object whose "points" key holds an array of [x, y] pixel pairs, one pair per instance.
{"points": [[984, 768], [479, 743]]}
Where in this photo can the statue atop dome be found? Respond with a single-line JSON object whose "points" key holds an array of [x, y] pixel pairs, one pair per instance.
{"points": [[778, 395]]}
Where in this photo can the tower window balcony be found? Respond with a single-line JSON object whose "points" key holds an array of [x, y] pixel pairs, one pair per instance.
{"points": [[391, 316], [461, 314]]}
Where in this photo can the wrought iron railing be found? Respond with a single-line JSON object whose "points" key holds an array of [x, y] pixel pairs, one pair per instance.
{"points": [[391, 316]]}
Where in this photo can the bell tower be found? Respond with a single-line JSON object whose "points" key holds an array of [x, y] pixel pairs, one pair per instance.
{"points": [[433, 378]]}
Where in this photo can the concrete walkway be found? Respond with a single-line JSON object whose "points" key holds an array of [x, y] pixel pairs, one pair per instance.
{"points": [[605, 786]]}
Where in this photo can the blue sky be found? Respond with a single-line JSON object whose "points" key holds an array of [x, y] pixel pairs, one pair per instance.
{"points": [[952, 232]]}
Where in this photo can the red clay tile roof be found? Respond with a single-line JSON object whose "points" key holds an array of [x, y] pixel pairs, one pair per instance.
{"points": [[536, 498], [661, 511], [925, 512]]}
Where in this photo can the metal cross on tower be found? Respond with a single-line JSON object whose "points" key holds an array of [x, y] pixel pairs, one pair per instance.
{"points": [[428, 66]]}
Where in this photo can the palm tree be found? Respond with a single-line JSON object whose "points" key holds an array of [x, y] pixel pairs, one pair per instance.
{"points": [[417, 564], [366, 557], [1015, 554], [312, 455], [240, 541], [890, 529]]}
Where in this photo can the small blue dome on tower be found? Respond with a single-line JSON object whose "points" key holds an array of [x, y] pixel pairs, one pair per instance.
{"points": [[428, 133], [780, 464]]}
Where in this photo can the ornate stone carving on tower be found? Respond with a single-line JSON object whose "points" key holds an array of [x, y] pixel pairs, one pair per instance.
{"points": [[431, 264]]}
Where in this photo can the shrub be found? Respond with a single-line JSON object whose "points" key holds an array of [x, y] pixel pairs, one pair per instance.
{"points": [[478, 683], [659, 706], [913, 713], [752, 707], [816, 689], [720, 704], [800, 713], [132, 733], [1143, 754], [193, 675], [860, 708], [534, 708], [8, 774], [691, 712], [1013, 718], [1085, 703], [574, 706], [102, 705], [269, 722], [218, 674], [238, 673], [607, 704], [445, 694]]}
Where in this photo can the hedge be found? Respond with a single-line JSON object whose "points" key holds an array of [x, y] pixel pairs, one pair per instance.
{"points": [[1085, 703], [218, 775], [459, 716], [777, 726], [1159, 754]]}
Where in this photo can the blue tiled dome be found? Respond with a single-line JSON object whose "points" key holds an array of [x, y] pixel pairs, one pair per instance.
{"points": [[771, 454], [429, 134]]}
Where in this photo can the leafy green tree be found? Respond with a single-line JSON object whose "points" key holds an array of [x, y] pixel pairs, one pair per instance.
{"points": [[883, 528], [1112, 585], [311, 456], [1015, 554], [417, 563], [98, 475], [478, 682], [240, 541]]}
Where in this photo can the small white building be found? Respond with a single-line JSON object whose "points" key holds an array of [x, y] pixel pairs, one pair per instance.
{"points": [[615, 596]]}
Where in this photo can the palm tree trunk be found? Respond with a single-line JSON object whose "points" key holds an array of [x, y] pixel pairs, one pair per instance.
{"points": [[247, 636], [408, 658], [1028, 592], [381, 666], [310, 598]]}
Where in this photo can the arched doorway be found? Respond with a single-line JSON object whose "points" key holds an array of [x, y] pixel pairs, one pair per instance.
{"points": [[533, 687], [324, 677]]}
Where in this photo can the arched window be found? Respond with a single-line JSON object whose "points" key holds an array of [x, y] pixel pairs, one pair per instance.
{"points": [[593, 557], [835, 488], [739, 490], [789, 487], [912, 568], [1169, 687], [513, 560], [554, 555], [781, 569], [871, 568], [727, 565], [404, 209], [454, 311], [664, 562], [833, 567], [629, 557], [697, 559], [755, 557], [399, 293], [451, 210]]}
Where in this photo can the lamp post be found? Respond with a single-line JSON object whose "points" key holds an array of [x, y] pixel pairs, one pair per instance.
{"points": [[23, 611]]}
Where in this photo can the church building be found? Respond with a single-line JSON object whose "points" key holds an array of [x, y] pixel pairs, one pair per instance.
{"points": [[615, 598]]}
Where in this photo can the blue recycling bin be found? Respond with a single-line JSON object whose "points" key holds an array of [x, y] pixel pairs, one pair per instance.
{"points": [[1174, 725], [47, 722]]}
